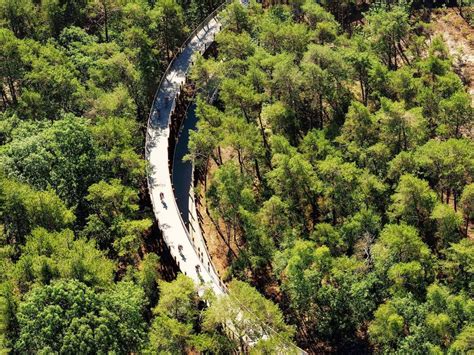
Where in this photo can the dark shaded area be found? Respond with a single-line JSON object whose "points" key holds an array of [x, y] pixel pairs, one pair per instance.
{"points": [[182, 170], [154, 242]]}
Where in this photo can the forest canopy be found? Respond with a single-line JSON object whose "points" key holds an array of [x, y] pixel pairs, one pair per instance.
{"points": [[334, 164], [334, 153]]}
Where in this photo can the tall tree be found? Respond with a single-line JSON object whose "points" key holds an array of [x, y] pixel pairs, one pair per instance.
{"points": [[413, 203], [67, 316]]}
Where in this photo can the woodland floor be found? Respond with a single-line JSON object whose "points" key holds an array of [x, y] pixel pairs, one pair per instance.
{"points": [[217, 247], [459, 36]]}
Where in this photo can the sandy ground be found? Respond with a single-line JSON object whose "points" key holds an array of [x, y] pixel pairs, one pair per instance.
{"points": [[218, 249], [459, 37]]}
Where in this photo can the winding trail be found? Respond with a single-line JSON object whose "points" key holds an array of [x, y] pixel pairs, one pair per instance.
{"points": [[183, 236], [167, 213]]}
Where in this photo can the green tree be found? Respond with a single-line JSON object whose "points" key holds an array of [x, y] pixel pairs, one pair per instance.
{"points": [[326, 234], [340, 187], [413, 203], [294, 180], [176, 311], [12, 66], [178, 299], [447, 165], [457, 115], [8, 320], [62, 157], [327, 296], [404, 325], [448, 225], [168, 335], [18, 16], [402, 259], [47, 256], [386, 28], [401, 129], [112, 220], [236, 18], [24, 208], [60, 14], [248, 315], [359, 127], [230, 191], [387, 326], [463, 342], [67, 316], [51, 86], [467, 204], [360, 231], [458, 266], [171, 25], [274, 218], [117, 143]]}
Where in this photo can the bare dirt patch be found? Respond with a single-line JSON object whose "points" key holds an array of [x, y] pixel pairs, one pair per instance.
{"points": [[459, 37], [217, 247]]}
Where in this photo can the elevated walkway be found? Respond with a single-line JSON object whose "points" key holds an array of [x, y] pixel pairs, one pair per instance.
{"points": [[190, 257], [187, 247]]}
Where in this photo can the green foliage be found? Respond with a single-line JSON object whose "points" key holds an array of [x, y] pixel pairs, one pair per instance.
{"points": [[241, 310], [385, 29], [116, 139], [328, 292], [413, 203], [448, 225], [403, 323], [403, 259], [467, 203], [173, 328], [330, 150], [337, 169], [459, 265], [8, 321], [47, 256], [61, 156], [177, 299], [67, 316], [113, 207], [24, 208]]}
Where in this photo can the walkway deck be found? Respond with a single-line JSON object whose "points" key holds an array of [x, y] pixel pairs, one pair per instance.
{"points": [[159, 181], [194, 250]]}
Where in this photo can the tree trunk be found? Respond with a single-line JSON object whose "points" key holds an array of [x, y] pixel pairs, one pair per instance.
{"points": [[257, 171], [239, 157], [11, 86], [4, 98], [220, 155], [321, 120], [106, 21], [402, 54]]}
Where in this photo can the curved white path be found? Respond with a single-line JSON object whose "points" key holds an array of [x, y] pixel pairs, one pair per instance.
{"points": [[175, 233], [194, 250]]}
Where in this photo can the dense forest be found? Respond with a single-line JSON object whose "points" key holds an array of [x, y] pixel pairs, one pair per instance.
{"points": [[335, 156], [338, 168]]}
